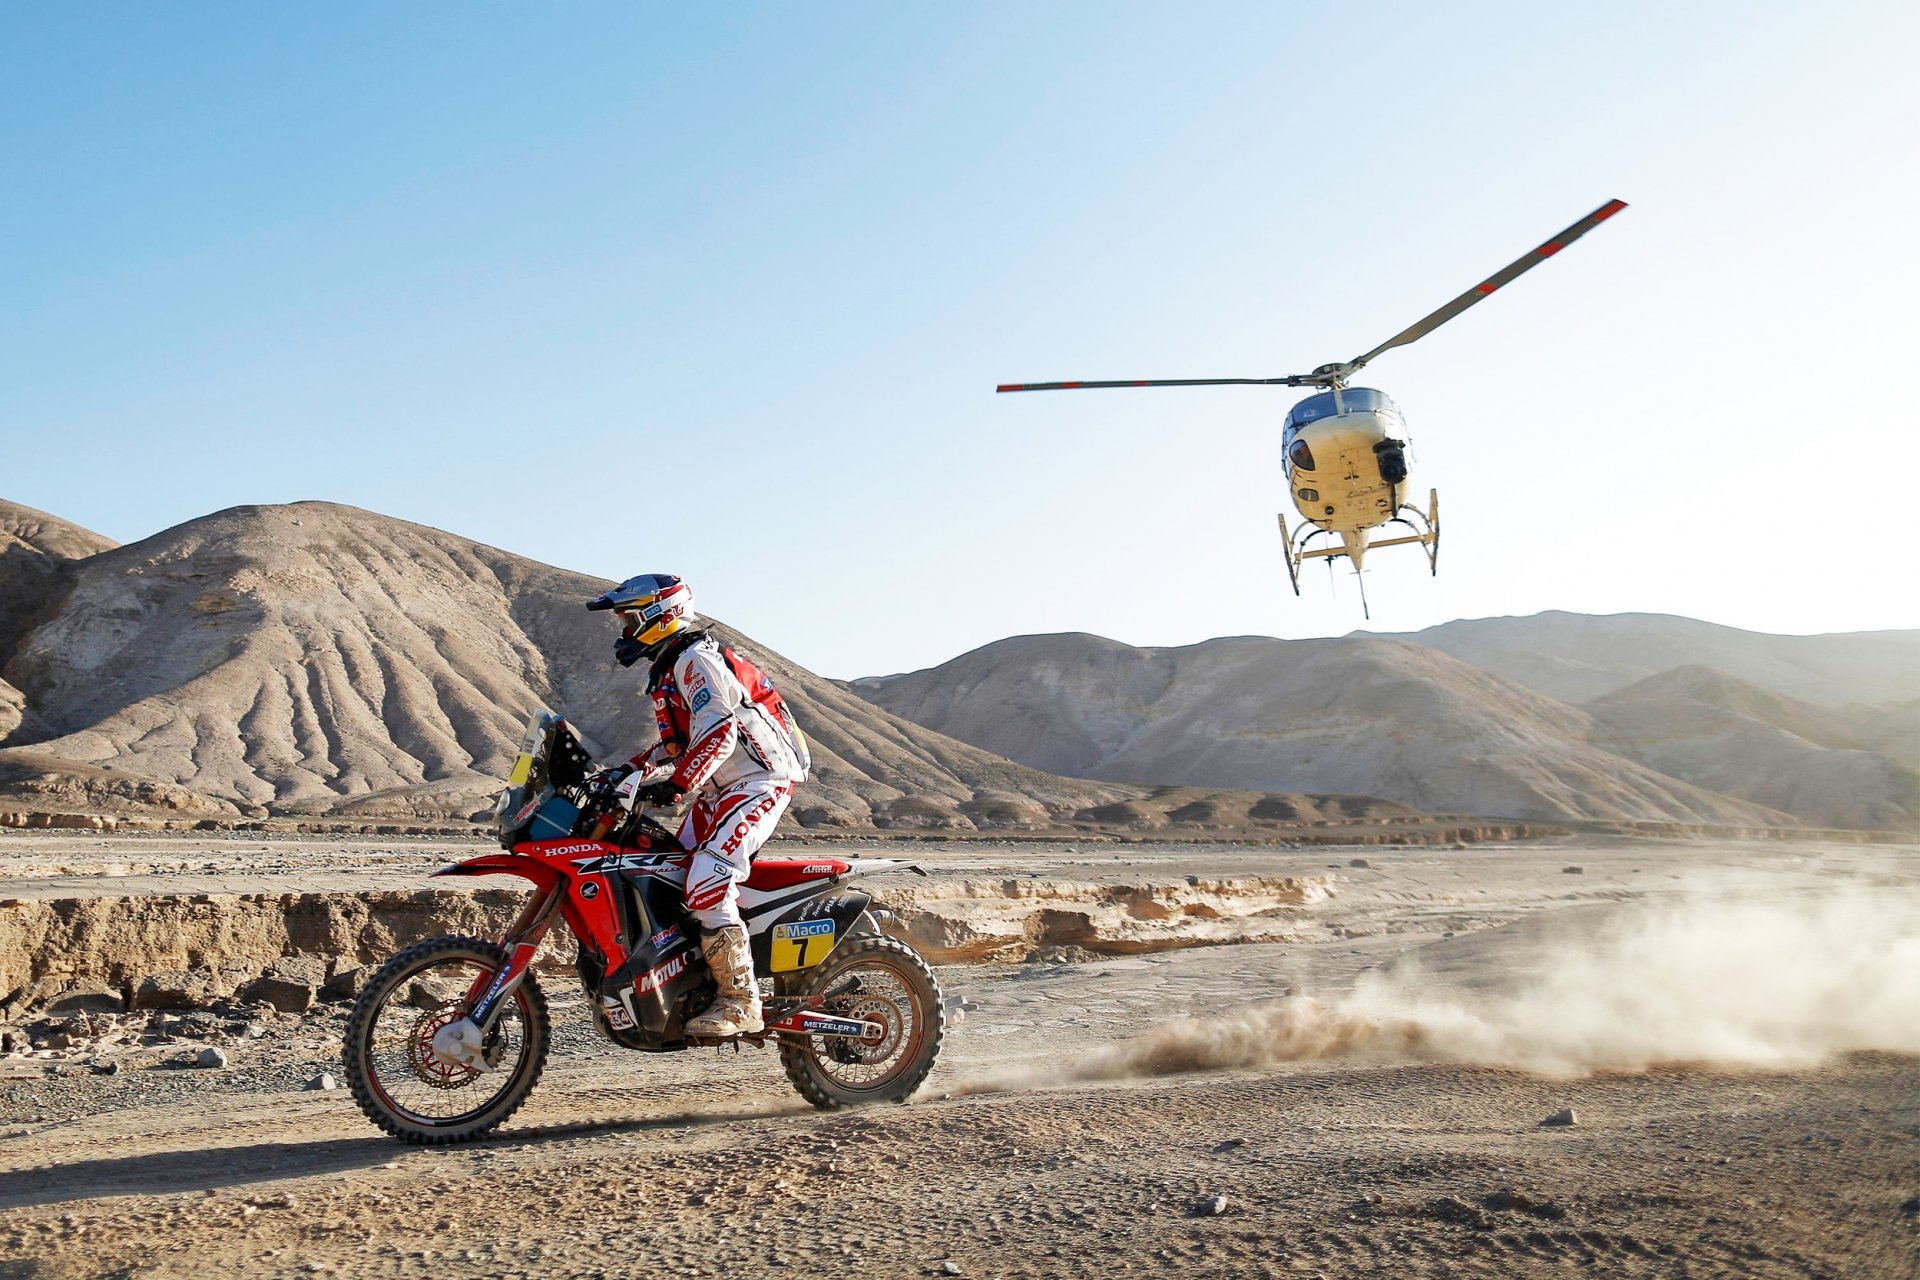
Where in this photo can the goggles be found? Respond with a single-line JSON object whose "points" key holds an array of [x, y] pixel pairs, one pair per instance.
{"points": [[642, 617]]}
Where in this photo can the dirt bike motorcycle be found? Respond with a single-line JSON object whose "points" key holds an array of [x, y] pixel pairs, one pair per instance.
{"points": [[449, 1037]]}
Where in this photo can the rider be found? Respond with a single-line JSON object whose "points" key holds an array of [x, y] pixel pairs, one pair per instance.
{"points": [[727, 739]]}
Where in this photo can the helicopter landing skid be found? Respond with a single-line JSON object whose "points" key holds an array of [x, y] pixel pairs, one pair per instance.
{"points": [[1425, 526], [1296, 547], [1293, 565]]}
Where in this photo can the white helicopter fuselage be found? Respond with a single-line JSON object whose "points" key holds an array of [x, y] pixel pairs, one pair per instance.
{"points": [[1346, 463]]}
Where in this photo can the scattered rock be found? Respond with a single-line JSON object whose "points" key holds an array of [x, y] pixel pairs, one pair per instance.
{"points": [[105, 1067], [57, 1040], [288, 995], [309, 969], [1213, 1207], [419, 997], [949, 1268], [1562, 1118], [1911, 1207], [88, 999], [346, 984], [177, 989], [210, 1057], [1231, 1144], [323, 1081], [1573, 871], [1360, 862]]}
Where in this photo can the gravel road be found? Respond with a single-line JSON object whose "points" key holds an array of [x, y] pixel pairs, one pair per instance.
{"points": [[1049, 1143]]}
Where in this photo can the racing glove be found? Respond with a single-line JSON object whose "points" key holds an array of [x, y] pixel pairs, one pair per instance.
{"points": [[636, 789], [664, 792]]}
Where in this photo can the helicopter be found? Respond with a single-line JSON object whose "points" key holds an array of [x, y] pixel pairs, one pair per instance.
{"points": [[1344, 449]]}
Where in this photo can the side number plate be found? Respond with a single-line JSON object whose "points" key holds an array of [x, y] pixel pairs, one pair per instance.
{"points": [[800, 944]]}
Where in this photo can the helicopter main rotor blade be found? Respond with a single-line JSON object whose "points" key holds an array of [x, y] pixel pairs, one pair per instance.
{"points": [[1291, 381], [1505, 276]]}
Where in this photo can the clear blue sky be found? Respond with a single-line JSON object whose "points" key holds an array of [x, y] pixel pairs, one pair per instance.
{"points": [[724, 290]]}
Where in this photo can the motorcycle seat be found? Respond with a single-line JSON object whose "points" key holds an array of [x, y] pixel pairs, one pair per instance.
{"points": [[783, 873]]}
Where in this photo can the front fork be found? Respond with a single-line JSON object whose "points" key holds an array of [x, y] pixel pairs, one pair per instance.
{"points": [[489, 993]]}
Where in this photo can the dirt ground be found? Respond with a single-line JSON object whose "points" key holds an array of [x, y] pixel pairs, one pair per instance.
{"points": [[1749, 1106]]}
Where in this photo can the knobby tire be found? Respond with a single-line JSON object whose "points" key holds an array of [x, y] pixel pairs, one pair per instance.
{"points": [[389, 984], [802, 1065]]}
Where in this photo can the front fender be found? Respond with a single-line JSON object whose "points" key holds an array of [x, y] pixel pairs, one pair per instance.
{"points": [[543, 875]]}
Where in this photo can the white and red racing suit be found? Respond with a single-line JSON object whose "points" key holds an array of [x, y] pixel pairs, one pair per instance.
{"points": [[735, 748]]}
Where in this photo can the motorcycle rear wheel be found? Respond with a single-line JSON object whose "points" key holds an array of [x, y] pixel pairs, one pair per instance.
{"points": [[898, 990], [409, 1091]]}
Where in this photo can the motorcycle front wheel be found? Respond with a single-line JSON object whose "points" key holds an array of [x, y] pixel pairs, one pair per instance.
{"points": [[891, 985], [407, 1089]]}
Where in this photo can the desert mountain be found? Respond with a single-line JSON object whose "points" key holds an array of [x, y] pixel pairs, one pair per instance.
{"points": [[1894, 732], [1576, 657], [1704, 726], [36, 553], [315, 658], [1378, 717]]}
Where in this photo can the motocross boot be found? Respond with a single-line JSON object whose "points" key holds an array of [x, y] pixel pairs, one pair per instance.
{"points": [[736, 1010]]}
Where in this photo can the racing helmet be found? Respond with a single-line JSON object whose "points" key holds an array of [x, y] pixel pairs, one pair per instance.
{"points": [[652, 607]]}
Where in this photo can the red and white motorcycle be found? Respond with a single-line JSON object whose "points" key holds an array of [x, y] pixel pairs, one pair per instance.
{"points": [[450, 1036]]}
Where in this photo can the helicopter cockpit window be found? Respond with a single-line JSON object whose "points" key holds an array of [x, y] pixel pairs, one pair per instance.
{"points": [[1365, 400], [1312, 409], [1326, 405], [1300, 456]]}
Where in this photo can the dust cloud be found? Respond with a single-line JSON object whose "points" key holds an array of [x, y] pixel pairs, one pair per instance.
{"points": [[1729, 984]]}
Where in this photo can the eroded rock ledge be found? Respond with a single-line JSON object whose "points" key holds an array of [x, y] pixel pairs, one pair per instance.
{"points": [[183, 950]]}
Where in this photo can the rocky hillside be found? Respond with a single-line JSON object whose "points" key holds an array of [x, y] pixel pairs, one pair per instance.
{"points": [[37, 552], [1723, 734], [1576, 657], [1379, 717], [317, 659]]}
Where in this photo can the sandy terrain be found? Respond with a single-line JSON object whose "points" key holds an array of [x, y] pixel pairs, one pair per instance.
{"points": [[1736, 1026]]}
